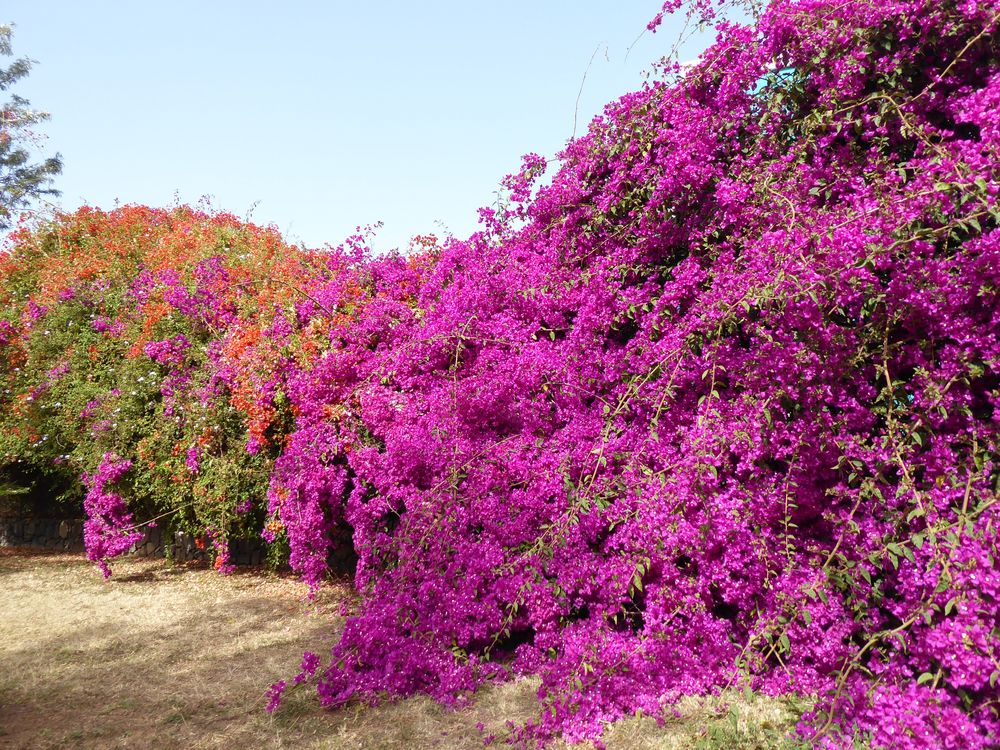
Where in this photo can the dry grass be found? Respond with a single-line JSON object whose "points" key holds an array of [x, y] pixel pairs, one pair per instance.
{"points": [[167, 657]]}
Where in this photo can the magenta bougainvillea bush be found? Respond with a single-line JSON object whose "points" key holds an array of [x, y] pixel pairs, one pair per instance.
{"points": [[714, 406]]}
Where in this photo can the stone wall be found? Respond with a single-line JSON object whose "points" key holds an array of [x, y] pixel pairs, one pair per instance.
{"points": [[41, 533], [67, 534], [241, 551]]}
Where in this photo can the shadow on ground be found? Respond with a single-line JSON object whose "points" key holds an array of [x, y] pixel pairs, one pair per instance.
{"points": [[167, 657]]}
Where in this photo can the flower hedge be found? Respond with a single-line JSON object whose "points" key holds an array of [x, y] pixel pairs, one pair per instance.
{"points": [[714, 407], [141, 358]]}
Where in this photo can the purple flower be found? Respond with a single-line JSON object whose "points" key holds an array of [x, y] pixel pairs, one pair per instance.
{"points": [[274, 694], [108, 530]]}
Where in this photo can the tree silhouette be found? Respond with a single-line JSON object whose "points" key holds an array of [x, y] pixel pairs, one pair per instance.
{"points": [[22, 181]]}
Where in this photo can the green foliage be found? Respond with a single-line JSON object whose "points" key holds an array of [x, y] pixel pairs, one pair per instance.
{"points": [[22, 181]]}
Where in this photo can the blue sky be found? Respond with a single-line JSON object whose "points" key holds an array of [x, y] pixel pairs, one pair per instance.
{"points": [[320, 117]]}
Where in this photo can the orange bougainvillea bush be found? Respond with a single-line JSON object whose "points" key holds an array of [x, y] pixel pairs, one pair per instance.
{"points": [[146, 346]]}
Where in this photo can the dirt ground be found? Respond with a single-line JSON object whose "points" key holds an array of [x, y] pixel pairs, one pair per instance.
{"points": [[164, 656]]}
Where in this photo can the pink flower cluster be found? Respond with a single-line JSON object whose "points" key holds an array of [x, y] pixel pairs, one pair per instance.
{"points": [[716, 407], [107, 531], [170, 352]]}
